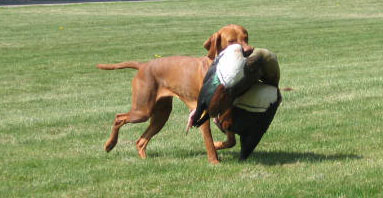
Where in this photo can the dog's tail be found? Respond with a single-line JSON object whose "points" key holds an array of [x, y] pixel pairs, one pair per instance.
{"points": [[123, 65]]}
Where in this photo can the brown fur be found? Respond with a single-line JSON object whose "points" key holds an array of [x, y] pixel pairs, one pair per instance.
{"points": [[158, 80]]}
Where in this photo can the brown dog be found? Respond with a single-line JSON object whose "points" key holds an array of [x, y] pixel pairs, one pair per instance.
{"points": [[158, 80]]}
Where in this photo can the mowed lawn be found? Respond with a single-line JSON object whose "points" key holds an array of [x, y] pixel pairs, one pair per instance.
{"points": [[57, 108]]}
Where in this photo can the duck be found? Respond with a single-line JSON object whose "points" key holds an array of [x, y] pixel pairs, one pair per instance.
{"points": [[253, 111], [247, 106], [225, 72]]}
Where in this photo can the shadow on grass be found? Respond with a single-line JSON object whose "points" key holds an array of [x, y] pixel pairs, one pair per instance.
{"points": [[179, 153], [272, 158], [269, 158]]}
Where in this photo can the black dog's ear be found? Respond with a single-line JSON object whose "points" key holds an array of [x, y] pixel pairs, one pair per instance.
{"points": [[213, 45]]}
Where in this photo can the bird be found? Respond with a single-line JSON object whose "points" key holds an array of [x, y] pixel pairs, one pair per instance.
{"points": [[248, 105], [226, 70], [253, 111]]}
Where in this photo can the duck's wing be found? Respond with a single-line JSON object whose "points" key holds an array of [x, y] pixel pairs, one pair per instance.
{"points": [[205, 95]]}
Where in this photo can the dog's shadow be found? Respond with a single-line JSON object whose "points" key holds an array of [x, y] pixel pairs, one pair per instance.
{"points": [[272, 158], [269, 158]]}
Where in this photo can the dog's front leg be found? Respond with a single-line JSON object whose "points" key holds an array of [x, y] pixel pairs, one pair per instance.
{"points": [[228, 143], [211, 152], [223, 122]]}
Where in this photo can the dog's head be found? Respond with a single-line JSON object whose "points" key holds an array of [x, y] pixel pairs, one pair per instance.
{"points": [[229, 34]]}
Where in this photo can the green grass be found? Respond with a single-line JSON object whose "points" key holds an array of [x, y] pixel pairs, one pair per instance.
{"points": [[56, 108]]}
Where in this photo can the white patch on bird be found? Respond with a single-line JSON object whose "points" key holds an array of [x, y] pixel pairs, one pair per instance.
{"points": [[230, 68], [258, 98]]}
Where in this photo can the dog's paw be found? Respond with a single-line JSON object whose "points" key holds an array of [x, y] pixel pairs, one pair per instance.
{"points": [[218, 145], [214, 162], [109, 145]]}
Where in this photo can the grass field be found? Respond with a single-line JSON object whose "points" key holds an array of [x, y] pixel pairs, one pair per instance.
{"points": [[56, 108]]}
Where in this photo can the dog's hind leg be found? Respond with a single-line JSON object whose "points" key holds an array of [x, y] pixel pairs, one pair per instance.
{"points": [[120, 120], [143, 101], [160, 115]]}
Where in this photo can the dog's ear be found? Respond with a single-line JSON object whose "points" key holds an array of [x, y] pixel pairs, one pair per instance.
{"points": [[212, 45]]}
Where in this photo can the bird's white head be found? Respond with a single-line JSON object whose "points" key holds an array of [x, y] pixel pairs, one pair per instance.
{"points": [[230, 68]]}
